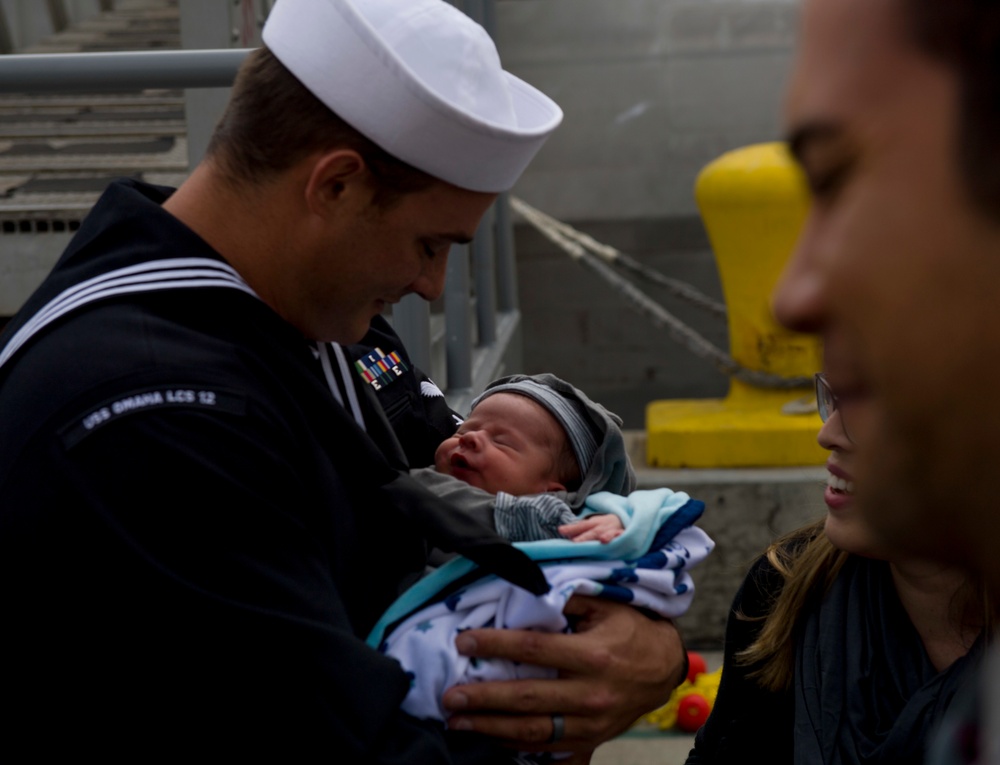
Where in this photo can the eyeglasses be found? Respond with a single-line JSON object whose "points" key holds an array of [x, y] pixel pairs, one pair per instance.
{"points": [[827, 403]]}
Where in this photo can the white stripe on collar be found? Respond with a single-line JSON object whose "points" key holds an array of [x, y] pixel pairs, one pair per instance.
{"points": [[153, 276], [345, 379], [160, 275]]}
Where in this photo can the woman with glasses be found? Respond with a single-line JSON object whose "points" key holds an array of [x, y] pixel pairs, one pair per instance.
{"points": [[838, 651]]}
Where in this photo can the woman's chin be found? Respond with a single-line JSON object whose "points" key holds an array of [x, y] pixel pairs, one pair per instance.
{"points": [[849, 533]]}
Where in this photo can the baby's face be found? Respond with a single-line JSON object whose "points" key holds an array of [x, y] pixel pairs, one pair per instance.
{"points": [[509, 443]]}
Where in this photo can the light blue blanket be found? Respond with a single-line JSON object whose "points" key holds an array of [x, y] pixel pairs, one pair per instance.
{"points": [[646, 566]]}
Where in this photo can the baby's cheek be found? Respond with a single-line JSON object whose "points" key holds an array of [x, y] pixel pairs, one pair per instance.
{"points": [[442, 461]]}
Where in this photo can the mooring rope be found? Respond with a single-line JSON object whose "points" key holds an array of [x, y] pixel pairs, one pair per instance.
{"points": [[597, 257]]}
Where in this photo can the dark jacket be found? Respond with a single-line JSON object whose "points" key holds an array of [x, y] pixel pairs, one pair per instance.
{"points": [[747, 720], [193, 533]]}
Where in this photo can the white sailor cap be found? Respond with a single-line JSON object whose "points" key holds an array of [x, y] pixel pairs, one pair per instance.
{"points": [[421, 80]]}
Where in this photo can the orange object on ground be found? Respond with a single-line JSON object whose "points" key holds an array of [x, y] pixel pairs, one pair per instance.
{"points": [[692, 711], [696, 665]]}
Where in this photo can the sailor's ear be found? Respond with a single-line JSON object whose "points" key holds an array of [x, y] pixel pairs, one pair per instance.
{"points": [[333, 177]]}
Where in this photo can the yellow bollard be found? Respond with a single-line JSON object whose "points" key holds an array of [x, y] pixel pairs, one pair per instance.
{"points": [[753, 201]]}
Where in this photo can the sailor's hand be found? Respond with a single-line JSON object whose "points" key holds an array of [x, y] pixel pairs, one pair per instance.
{"points": [[617, 665]]}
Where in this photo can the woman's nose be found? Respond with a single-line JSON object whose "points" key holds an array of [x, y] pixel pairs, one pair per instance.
{"points": [[832, 436]]}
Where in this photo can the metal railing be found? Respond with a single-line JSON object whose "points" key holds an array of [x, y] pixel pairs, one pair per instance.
{"points": [[478, 336], [119, 71]]}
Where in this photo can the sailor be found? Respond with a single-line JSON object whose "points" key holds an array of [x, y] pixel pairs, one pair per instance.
{"points": [[202, 512]]}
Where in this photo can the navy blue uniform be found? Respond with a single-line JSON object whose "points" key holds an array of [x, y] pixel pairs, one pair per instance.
{"points": [[194, 533]]}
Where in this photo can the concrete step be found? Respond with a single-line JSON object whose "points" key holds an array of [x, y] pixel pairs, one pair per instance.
{"points": [[57, 152]]}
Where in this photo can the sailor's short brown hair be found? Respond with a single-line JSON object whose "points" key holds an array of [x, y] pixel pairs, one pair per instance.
{"points": [[273, 121]]}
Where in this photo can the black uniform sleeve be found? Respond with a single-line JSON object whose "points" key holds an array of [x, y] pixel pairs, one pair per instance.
{"points": [[747, 722], [183, 593]]}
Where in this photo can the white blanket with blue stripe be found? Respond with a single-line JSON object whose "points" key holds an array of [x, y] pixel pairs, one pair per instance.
{"points": [[647, 566]]}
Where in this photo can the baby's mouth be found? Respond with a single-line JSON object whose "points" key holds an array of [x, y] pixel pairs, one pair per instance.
{"points": [[457, 460]]}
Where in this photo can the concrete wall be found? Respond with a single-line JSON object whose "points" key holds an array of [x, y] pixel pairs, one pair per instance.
{"points": [[575, 326], [652, 91]]}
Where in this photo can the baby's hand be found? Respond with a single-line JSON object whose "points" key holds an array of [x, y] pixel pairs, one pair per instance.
{"points": [[603, 528]]}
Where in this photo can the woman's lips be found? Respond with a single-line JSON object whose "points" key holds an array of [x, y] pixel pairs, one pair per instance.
{"points": [[839, 488]]}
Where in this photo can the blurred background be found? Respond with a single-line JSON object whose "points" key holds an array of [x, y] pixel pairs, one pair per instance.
{"points": [[652, 90]]}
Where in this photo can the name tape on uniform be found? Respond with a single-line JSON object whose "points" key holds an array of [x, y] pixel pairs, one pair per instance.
{"points": [[174, 396]]}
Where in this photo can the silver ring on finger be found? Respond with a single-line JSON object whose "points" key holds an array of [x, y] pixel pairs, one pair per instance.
{"points": [[558, 728]]}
